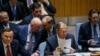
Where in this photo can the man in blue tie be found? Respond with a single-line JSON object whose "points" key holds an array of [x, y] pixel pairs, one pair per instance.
{"points": [[16, 10], [90, 31]]}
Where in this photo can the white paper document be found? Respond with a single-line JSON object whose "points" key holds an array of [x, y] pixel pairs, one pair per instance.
{"points": [[65, 45], [78, 54], [94, 49]]}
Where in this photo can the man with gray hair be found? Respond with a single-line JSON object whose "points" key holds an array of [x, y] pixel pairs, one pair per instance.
{"points": [[57, 41], [29, 35], [48, 27]]}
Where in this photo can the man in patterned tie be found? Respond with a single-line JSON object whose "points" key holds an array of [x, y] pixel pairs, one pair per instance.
{"points": [[10, 46]]}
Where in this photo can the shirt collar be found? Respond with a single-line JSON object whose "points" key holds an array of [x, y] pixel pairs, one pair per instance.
{"points": [[59, 38], [5, 44], [51, 29], [29, 29], [93, 24]]}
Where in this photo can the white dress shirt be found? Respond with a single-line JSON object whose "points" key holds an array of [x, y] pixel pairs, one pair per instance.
{"points": [[6, 26], [28, 38], [5, 48], [60, 41], [29, 2]]}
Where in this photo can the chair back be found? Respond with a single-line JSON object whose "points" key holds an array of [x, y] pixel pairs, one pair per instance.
{"points": [[42, 48], [77, 33]]}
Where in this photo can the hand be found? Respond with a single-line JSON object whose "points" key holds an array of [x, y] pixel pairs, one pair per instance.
{"points": [[58, 49], [72, 50], [92, 42], [35, 54], [46, 1]]}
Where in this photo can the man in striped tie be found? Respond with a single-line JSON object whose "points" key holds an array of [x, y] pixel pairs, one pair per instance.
{"points": [[10, 46]]}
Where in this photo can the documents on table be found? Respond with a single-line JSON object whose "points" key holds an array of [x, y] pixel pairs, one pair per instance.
{"points": [[94, 49], [79, 54]]}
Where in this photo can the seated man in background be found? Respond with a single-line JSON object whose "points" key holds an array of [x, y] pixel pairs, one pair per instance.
{"points": [[4, 23], [10, 46], [16, 10], [49, 28], [35, 12], [54, 42], [89, 33]]}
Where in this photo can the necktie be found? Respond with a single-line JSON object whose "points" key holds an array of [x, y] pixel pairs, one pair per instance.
{"points": [[95, 32], [14, 12], [8, 53], [30, 44], [49, 33]]}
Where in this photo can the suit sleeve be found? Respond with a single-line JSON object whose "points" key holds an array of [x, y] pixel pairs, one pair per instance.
{"points": [[74, 44], [48, 49], [81, 36], [51, 8], [23, 52]]}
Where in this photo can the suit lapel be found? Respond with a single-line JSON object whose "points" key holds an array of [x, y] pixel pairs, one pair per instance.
{"points": [[54, 30], [13, 49], [26, 33], [99, 27], [53, 42], [89, 30], [2, 52], [23, 34]]}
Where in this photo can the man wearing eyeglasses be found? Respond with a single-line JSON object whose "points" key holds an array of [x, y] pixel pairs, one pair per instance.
{"points": [[90, 31]]}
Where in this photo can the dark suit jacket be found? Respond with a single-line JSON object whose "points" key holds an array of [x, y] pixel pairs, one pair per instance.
{"points": [[20, 11], [13, 26], [15, 47], [52, 43], [85, 34], [27, 19], [23, 32]]}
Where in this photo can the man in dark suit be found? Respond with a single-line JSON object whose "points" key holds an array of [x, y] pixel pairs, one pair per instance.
{"points": [[36, 12], [26, 32], [49, 28], [10, 46], [15, 9], [89, 32], [4, 23], [54, 42]]}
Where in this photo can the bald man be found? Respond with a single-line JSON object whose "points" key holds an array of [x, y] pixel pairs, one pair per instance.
{"points": [[30, 34]]}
